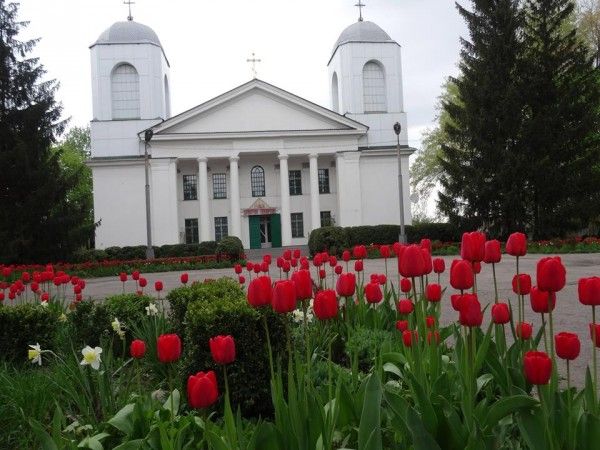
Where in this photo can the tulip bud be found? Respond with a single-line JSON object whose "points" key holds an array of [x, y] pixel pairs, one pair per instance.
{"points": [[537, 367]]}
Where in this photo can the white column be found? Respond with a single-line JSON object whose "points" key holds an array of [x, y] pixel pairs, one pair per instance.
{"points": [[286, 219], [203, 198], [234, 197], [315, 207]]}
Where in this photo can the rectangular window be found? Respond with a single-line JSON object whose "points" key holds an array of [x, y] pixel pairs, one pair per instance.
{"points": [[326, 218], [191, 231], [190, 187], [297, 225], [295, 182], [323, 181], [221, 229], [219, 185]]}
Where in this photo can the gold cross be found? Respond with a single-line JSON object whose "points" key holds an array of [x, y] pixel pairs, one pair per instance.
{"points": [[129, 3], [253, 60]]}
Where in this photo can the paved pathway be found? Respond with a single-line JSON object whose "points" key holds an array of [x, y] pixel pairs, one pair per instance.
{"points": [[569, 314]]}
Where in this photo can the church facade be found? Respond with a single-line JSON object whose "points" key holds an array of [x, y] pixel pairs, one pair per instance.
{"points": [[256, 162]]}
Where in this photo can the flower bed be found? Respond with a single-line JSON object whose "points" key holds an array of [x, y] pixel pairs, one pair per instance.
{"points": [[325, 356]]}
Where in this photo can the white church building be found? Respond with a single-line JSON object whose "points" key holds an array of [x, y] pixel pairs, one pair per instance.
{"points": [[256, 162]]}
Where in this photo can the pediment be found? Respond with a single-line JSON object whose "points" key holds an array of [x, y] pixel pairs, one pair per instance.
{"points": [[257, 107]]}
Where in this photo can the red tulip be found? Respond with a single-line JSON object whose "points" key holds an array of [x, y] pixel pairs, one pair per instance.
{"points": [[567, 345], [293, 262], [397, 247], [455, 300], [433, 292], [384, 251], [541, 301], [184, 278], [373, 293], [158, 286], [45, 297], [1, 296], [135, 275], [524, 331], [242, 279], [259, 292], [589, 291], [249, 266], [296, 253], [137, 349], [428, 264], [222, 349], [430, 321], [461, 274], [439, 265], [77, 289], [303, 283], [551, 274], [317, 261], [267, 259], [381, 279], [538, 367], [411, 263], [326, 305], [264, 266], [500, 313], [476, 267], [25, 277], [358, 265], [516, 245], [237, 269], [433, 336], [472, 247], [408, 337], [332, 261], [202, 389], [284, 296], [346, 256], [287, 255], [402, 325], [346, 285], [338, 270], [256, 268], [123, 277], [286, 266], [470, 314], [405, 285], [426, 244], [521, 284], [304, 264], [78, 297], [405, 306], [168, 347], [595, 337], [143, 282], [359, 251], [492, 253]]}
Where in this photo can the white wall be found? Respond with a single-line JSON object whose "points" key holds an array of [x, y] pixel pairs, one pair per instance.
{"points": [[119, 204], [163, 197]]}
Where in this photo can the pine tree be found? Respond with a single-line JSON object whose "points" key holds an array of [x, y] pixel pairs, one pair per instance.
{"points": [[561, 135], [37, 223], [482, 182]]}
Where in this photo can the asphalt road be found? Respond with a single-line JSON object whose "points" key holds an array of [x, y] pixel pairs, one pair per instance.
{"points": [[569, 314]]}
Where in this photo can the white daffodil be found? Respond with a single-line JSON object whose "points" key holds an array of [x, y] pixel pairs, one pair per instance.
{"points": [[116, 325], [62, 318], [151, 309], [44, 303], [35, 354], [91, 357]]}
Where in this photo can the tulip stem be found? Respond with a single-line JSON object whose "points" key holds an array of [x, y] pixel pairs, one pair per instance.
{"points": [[519, 290], [595, 362], [551, 335], [495, 283], [545, 334], [264, 318]]}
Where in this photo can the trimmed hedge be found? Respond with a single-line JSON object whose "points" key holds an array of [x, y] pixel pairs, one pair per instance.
{"points": [[337, 239], [139, 252], [24, 325], [220, 307], [91, 321], [231, 247]]}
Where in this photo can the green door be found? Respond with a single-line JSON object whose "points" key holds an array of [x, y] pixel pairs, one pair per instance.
{"points": [[276, 230], [254, 222]]}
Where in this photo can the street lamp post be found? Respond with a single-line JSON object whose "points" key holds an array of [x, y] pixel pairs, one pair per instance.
{"points": [[149, 250], [402, 237]]}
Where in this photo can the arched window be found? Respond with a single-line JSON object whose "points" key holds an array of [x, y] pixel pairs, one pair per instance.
{"points": [[125, 90], [335, 99], [257, 181], [374, 96], [167, 99]]}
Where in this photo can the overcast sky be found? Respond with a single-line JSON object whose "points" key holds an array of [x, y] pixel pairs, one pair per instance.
{"points": [[207, 43]]}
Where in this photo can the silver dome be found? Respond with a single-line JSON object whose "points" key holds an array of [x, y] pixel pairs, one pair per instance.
{"points": [[362, 31], [128, 32]]}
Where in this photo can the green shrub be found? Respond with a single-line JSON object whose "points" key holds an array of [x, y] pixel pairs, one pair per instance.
{"points": [[24, 325], [91, 321], [231, 247], [372, 234], [249, 376], [332, 239]]}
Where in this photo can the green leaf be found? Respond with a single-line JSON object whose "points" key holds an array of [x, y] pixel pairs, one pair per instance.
{"points": [[506, 406], [265, 438], [424, 404], [136, 444], [122, 420], [532, 428], [392, 368], [588, 432], [422, 440], [483, 348], [46, 441], [176, 397], [93, 442], [369, 430]]}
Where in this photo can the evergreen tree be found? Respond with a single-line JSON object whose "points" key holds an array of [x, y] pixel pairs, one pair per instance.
{"points": [[483, 181], [560, 135], [37, 221]]}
